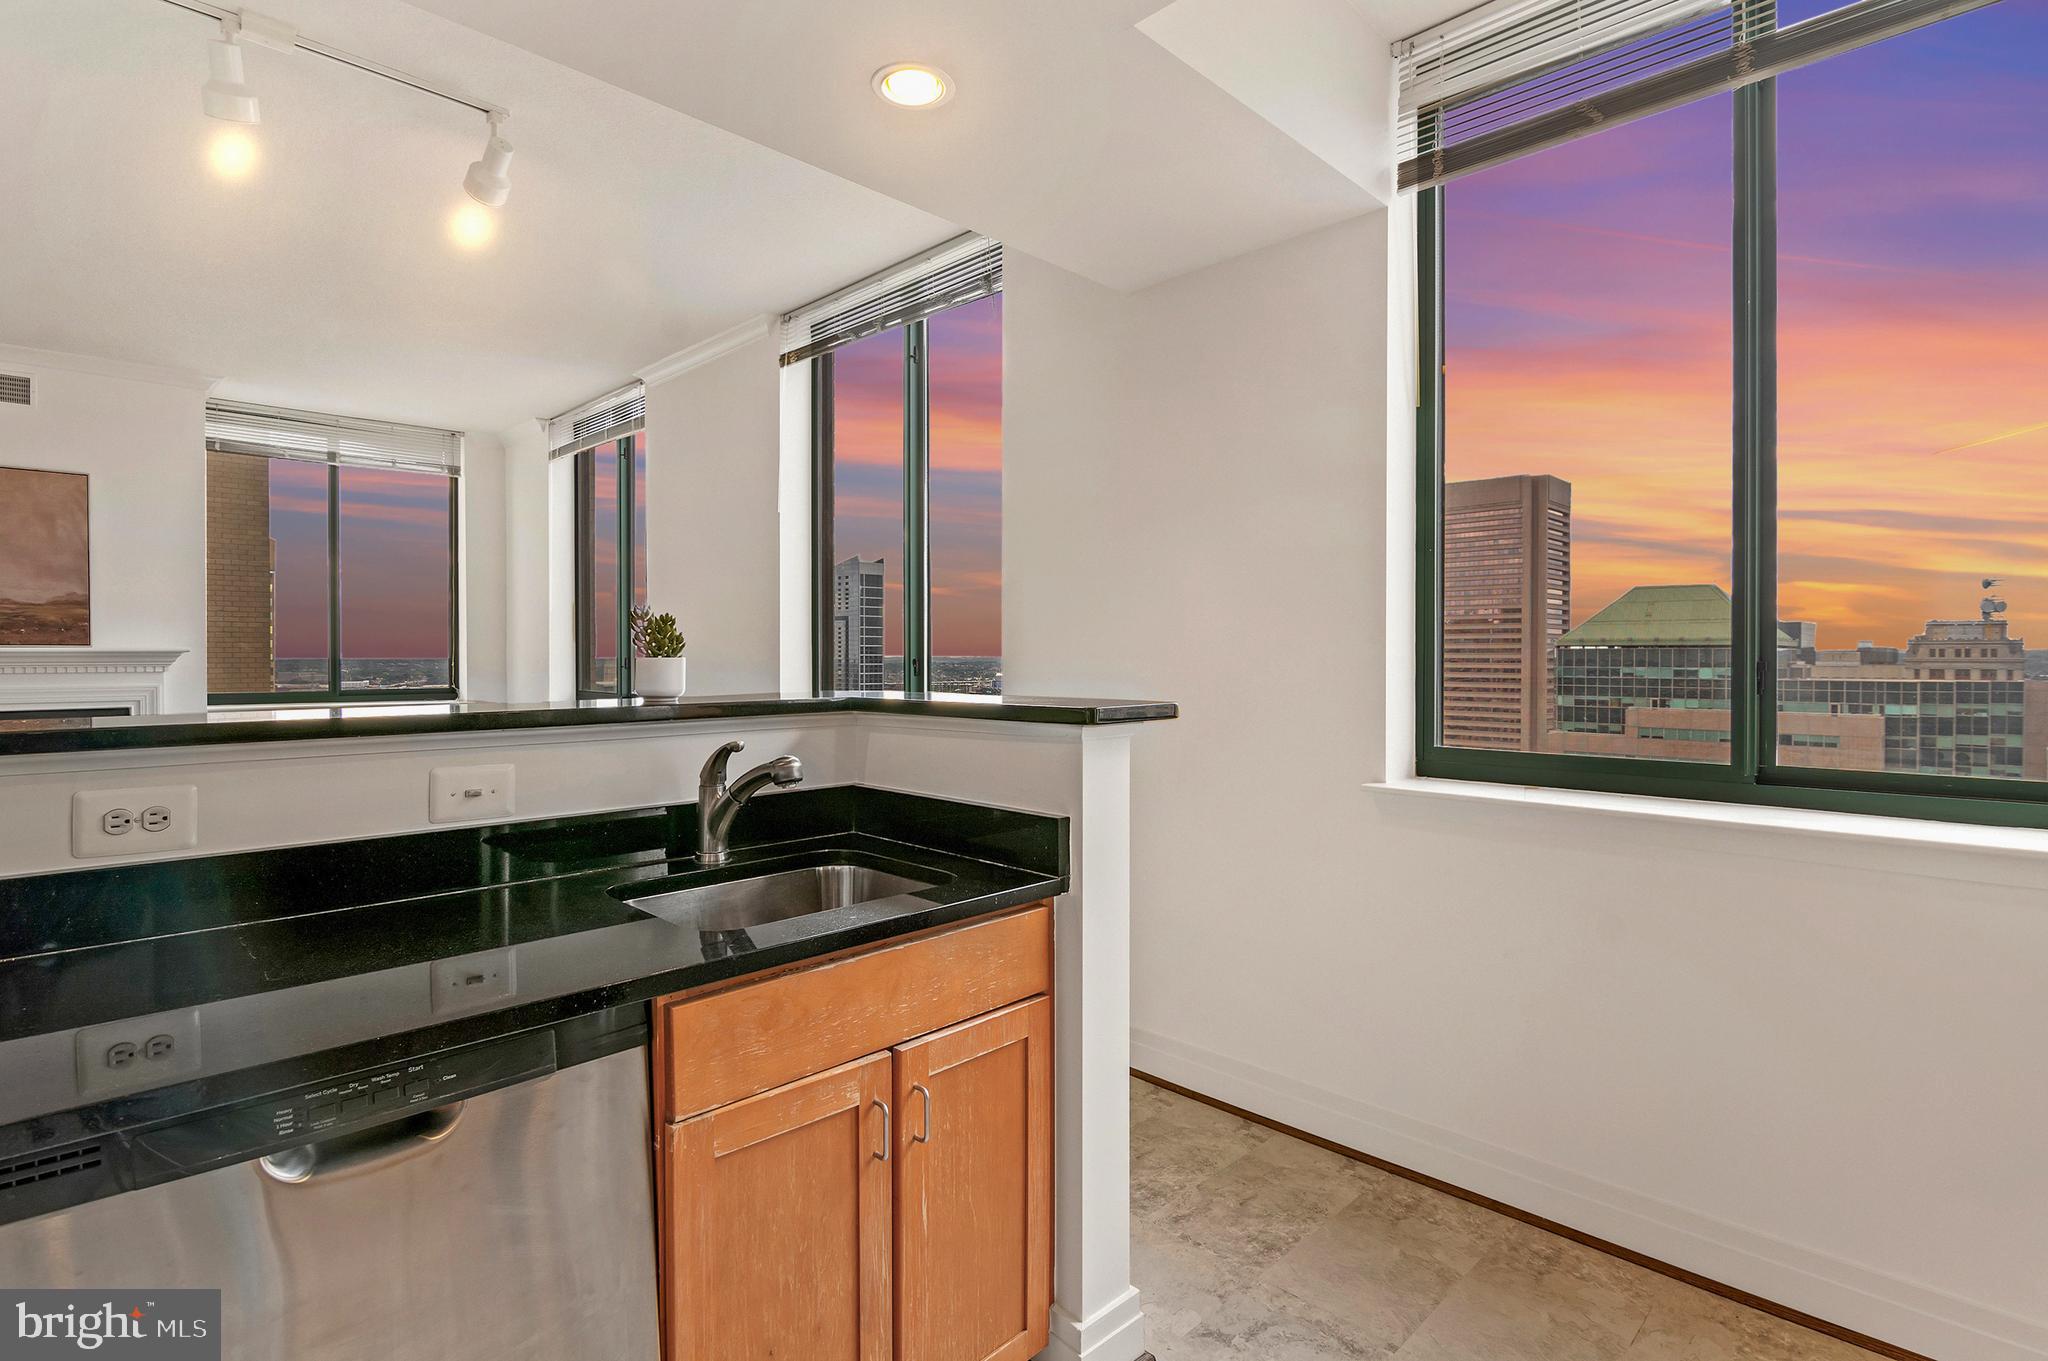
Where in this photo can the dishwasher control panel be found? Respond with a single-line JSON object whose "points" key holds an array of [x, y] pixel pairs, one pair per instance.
{"points": [[341, 1105]]}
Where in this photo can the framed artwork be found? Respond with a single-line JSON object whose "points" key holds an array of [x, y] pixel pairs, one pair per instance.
{"points": [[45, 565]]}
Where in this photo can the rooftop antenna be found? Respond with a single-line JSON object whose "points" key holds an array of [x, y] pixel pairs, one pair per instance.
{"points": [[1990, 604]]}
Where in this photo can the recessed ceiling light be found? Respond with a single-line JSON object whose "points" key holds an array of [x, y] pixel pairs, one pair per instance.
{"points": [[914, 86]]}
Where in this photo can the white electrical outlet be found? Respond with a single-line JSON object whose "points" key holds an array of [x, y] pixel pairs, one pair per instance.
{"points": [[470, 981], [134, 821], [142, 1051], [465, 793]]}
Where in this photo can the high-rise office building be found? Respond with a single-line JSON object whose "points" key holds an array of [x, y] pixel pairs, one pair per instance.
{"points": [[1507, 599], [857, 624]]}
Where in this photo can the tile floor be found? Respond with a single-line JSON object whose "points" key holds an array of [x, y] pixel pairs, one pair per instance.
{"points": [[1247, 1243]]}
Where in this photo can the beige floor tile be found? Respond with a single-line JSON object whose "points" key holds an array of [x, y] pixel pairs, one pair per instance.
{"points": [[1148, 1100], [1383, 1263], [1686, 1324], [1264, 1322], [1198, 1308], [1251, 1244], [1178, 1283], [1537, 1298], [1251, 1211], [1177, 1147]]}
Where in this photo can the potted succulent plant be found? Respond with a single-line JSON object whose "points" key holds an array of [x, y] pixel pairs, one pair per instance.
{"points": [[658, 654]]}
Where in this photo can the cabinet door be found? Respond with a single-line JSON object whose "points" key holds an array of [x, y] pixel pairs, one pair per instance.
{"points": [[776, 1230], [974, 1188]]}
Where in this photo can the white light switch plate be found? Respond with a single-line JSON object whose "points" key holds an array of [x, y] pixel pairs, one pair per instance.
{"points": [[466, 793], [165, 818], [469, 981]]}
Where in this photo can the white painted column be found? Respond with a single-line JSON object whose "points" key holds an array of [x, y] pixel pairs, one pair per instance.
{"points": [[1083, 774]]}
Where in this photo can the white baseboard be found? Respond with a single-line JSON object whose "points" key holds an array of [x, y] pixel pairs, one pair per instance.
{"points": [[1115, 1332], [1897, 1311]]}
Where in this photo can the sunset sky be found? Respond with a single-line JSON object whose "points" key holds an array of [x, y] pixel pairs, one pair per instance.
{"points": [[394, 555], [966, 481], [1588, 334]]}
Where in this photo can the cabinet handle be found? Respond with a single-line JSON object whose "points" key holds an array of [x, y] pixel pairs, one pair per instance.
{"points": [[926, 1093], [886, 1139]]}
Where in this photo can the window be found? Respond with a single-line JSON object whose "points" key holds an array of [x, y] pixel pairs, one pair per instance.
{"points": [[1583, 581], [909, 439], [1830, 608], [331, 558], [965, 497], [611, 515], [606, 439]]}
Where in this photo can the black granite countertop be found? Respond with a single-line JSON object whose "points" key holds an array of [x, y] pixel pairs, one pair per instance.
{"points": [[323, 957], [24, 736]]}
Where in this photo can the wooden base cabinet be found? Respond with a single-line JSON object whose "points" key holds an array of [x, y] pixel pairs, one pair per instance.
{"points": [[897, 1207], [974, 1189], [777, 1232]]}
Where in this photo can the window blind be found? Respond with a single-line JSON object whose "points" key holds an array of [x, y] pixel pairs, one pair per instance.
{"points": [[968, 267], [1517, 76], [312, 436], [612, 416]]}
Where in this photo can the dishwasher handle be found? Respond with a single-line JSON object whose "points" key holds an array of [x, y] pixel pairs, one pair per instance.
{"points": [[364, 1151]]}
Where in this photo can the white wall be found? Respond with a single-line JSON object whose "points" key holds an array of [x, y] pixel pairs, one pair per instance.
{"points": [[141, 441], [1801, 1063], [538, 546], [483, 564], [714, 552]]}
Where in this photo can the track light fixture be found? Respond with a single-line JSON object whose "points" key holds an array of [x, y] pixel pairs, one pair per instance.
{"points": [[226, 94], [233, 151], [488, 181]]}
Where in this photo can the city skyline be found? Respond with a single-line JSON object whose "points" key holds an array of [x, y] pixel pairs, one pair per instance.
{"points": [[966, 471], [1588, 334]]}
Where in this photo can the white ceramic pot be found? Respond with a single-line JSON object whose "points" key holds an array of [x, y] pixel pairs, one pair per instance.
{"points": [[658, 677]]}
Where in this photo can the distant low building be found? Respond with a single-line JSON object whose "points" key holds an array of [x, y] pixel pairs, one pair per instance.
{"points": [[1651, 676], [1954, 701]]}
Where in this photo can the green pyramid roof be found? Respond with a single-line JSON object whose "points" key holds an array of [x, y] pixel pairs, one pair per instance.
{"points": [[1662, 616]]}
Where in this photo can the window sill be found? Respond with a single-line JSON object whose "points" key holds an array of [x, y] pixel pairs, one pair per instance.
{"points": [[2014, 856]]}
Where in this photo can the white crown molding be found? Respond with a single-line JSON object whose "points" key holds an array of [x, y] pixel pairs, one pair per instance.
{"points": [[704, 351], [24, 357]]}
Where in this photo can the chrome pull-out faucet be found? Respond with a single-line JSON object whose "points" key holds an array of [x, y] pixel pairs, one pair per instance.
{"points": [[718, 804]]}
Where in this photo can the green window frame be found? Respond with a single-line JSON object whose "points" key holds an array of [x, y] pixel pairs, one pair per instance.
{"points": [[921, 676], [1752, 775], [917, 472], [337, 690], [631, 588]]}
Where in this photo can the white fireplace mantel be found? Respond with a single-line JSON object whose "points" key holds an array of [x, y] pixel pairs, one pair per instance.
{"points": [[84, 677]]}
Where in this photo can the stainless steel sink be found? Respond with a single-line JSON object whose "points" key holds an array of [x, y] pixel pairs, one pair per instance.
{"points": [[740, 903]]}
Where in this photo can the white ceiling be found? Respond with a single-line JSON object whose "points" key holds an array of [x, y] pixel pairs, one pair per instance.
{"points": [[1074, 136], [682, 166], [327, 280]]}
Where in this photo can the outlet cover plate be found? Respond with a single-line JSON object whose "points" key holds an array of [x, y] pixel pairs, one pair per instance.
{"points": [[179, 817], [99, 1076], [467, 982], [467, 793]]}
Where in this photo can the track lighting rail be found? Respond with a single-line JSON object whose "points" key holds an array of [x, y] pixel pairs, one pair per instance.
{"points": [[221, 13]]}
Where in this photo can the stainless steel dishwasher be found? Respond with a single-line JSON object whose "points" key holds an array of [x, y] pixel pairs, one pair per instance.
{"points": [[475, 1203]]}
